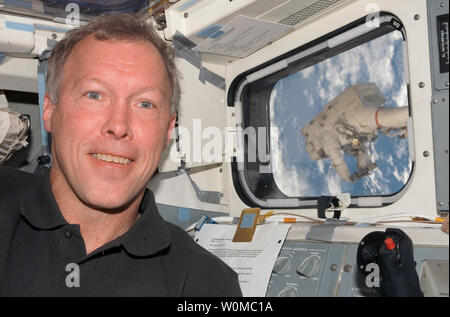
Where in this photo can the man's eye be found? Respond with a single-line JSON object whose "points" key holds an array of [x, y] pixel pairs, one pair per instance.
{"points": [[146, 105], [93, 95]]}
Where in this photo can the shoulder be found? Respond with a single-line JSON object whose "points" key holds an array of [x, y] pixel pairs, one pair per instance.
{"points": [[12, 186], [13, 181], [184, 244], [207, 275]]}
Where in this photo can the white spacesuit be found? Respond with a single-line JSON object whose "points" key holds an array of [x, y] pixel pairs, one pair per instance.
{"points": [[13, 130], [349, 123]]}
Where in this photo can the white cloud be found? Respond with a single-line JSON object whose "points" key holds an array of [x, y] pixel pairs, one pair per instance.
{"points": [[291, 181], [373, 59], [401, 149], [390, 160], [397, 174], [309, 102], [375, 182], [305, 73], [273, 97], [321, 166], [333, 182], [402, 176], [401, 98]]}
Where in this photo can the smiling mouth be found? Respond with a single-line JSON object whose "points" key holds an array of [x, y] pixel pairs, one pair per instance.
{"points": [[112, 158]]}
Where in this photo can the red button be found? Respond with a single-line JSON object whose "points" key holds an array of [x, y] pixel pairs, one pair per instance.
{"points": [[390, 244]]}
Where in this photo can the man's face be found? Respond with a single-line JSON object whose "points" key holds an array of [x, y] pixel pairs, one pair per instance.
{"points": [[111, 122]]}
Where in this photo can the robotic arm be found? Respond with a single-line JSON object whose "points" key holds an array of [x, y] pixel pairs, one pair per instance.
{"points": [[371, 118]]}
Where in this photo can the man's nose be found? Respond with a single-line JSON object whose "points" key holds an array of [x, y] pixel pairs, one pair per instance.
{"points": [[117, 124]]}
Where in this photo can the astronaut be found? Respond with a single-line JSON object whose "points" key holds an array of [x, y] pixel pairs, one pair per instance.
{"points": [[349, 123], [13, 130]]}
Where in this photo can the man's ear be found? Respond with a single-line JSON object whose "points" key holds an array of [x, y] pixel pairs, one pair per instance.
{"points": [[172, 122], [47, 114]]}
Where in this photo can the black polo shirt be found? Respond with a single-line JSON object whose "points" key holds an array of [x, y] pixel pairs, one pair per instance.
{"points": [[43, 255]]}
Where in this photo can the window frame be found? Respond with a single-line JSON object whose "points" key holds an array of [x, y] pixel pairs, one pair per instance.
{"points": [[308, 55]]}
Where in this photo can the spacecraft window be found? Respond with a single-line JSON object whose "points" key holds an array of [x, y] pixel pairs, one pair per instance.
{"points": [[337, 121]]}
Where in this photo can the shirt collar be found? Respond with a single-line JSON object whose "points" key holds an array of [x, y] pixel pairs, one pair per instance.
{"points": [[38, 205], [148, 235]]}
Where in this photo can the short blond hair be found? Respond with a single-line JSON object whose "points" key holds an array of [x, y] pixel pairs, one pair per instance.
{"points": [[120, 27]]}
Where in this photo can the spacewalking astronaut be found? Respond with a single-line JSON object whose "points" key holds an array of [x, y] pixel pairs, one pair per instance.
{"points": [[349, 123]]}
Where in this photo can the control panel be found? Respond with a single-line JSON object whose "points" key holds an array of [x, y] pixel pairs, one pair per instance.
{"points": [[305, 269], [309, 269], [320, 269]]}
